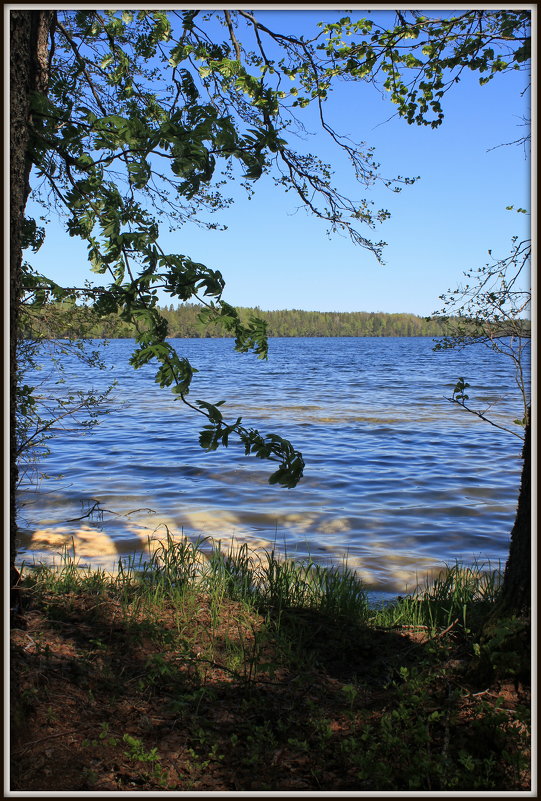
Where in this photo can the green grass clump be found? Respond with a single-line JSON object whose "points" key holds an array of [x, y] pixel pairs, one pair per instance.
{"points": [[233, 571], [176, 567], [69, 576], [459, 595]]}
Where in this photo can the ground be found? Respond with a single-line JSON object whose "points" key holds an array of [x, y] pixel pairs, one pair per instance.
{"points": [[111, 696]]}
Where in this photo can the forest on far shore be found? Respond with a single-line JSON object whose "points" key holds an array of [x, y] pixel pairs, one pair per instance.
{"points": [[68, 321]]}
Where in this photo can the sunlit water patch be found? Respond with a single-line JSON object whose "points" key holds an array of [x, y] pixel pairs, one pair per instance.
{"points": [[398, 480]]}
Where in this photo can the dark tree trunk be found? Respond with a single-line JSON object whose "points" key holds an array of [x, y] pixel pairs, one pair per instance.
{"points": [[515, 598], [29, 45]]}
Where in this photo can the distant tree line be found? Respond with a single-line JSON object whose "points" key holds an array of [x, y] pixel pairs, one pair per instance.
{"points": [[70, 321], [298, 323]]}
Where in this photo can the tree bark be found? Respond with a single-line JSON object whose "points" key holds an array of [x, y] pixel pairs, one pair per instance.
{"points": [[29, 46], [515, 596]]}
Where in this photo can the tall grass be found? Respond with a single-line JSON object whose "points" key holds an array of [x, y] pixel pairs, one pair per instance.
{"points": [[339, 592], [177, 566], [283, 582], [233, 570], [68, 575], [459, 593]]}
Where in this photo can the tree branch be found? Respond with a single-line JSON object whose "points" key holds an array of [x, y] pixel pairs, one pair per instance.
{"points": [[232, 35], [482, 417]]}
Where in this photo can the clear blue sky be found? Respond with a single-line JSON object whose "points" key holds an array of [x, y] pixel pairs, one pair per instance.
{"points": [[275, 256]]}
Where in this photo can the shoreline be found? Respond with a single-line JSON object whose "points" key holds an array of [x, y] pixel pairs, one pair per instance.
{"points": [[205, 548]]}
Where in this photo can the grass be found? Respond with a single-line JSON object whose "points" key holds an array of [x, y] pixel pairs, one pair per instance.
{"points": [[207, 669], [459, 593]]}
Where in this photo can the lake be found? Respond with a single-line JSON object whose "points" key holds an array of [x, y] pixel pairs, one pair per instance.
{"points": [[398, 481]]}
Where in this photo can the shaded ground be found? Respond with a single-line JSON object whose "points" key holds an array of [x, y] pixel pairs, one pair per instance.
{"points": [[109, 697]]}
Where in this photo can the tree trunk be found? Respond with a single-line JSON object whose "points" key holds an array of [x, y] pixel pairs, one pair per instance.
{"points": [[515, 597], [29, 40]]}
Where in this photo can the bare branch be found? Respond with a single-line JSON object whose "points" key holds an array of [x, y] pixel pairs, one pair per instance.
{"points": [[482, 417], [232, 35]]}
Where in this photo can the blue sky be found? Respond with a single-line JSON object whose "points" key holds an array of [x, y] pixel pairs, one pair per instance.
{"points": [[277, 256]]}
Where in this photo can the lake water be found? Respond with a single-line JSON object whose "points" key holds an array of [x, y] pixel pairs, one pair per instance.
{"points": [[398, 480]]}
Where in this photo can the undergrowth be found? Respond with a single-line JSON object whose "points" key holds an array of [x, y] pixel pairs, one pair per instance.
{"points": [[216, 670]]}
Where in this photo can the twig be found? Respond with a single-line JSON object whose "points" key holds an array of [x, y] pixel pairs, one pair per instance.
{"points": [[234, 673], [87, 514], [109, 511], [42, 739], [434, 636], [410, 626], [208, 662], [482, 417], [232, 35], [445, 631]]}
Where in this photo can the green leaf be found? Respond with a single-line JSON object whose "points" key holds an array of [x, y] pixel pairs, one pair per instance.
{"points": [[139, 173], [214, 414]]}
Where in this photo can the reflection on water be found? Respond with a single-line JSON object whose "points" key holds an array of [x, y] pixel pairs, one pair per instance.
{"points": [[397, 479]]}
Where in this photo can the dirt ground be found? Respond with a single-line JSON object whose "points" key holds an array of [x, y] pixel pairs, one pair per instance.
{"points": [[102, 704]]}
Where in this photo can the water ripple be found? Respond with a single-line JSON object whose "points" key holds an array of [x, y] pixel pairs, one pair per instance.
{"points": [[397, 479]]}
